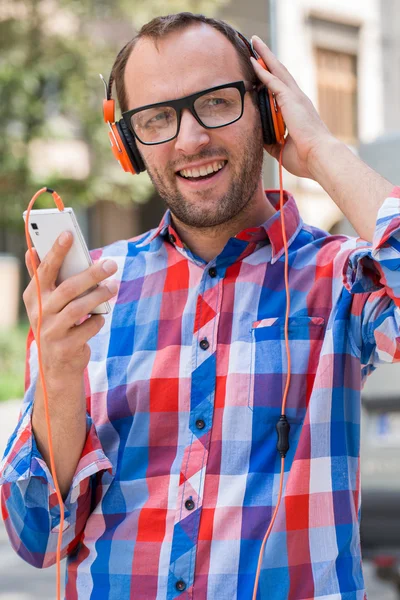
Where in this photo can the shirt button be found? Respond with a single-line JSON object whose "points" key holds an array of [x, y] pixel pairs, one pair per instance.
{"points": [[189, 504], [200, 424], [180, 585], [172, 239], [204, 344], [212, 272]]}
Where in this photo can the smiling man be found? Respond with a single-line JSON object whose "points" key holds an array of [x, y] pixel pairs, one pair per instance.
{"points": [[167, 462]]}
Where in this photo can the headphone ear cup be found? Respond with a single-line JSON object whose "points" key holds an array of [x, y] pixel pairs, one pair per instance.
{"points": [[266, 117], [130, 146]]}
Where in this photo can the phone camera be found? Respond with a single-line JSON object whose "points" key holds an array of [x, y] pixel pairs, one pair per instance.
{"points": [[34, 226]]}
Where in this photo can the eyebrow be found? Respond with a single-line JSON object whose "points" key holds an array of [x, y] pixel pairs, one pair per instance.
{"points": [[210, 87]]}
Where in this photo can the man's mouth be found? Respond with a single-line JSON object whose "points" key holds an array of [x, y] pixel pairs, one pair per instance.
{"points": [[204, 172]]}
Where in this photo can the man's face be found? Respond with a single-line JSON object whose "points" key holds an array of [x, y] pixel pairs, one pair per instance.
{"points": [[187, 62]]}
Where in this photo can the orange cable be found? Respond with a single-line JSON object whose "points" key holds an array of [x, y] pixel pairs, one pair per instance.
{"points": [[60, 206], [260, 557]]}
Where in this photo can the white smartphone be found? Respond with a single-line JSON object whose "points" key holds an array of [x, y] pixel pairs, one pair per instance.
{"points": [[45, 225]]}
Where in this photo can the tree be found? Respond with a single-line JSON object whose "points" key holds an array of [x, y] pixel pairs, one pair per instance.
{"points": [[51, 52]]}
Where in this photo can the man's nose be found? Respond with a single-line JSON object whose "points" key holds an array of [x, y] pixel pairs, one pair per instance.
{"points": [[192, 135]]}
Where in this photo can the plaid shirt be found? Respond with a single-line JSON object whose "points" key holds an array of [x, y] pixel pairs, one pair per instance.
{"points": [[179, 476]]}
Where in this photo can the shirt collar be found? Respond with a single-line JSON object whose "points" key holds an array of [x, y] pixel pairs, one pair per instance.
{"points": [[272, 228]]}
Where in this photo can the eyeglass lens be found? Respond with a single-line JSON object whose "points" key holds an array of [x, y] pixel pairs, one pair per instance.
{"points": [[214, 109]]}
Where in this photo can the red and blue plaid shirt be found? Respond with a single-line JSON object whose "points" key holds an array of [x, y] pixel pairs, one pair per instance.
{"points": [[179, 476]]}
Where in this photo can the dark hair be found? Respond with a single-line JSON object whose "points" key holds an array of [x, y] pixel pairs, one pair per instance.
{"points": [[160, 27]]}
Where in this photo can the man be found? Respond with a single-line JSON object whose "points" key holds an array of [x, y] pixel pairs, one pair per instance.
{"points": [[169, 470]]}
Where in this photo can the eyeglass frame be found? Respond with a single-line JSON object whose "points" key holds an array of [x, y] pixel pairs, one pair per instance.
{"points": [[188, 102]]}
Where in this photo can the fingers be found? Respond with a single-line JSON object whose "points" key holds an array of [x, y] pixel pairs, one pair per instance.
{"points": [[74, 286], [69, 349], [275, 85], [82, 333], [275, 67], [80, 307]]}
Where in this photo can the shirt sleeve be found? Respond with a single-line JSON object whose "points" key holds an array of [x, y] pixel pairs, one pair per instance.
{"points": [[372, 275], [29, 503]]}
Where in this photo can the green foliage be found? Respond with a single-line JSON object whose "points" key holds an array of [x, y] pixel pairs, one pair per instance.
{"points": [[12, 362], [51, 54]]}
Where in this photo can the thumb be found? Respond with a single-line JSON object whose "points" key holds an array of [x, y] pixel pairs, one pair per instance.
{"points": [[273, 150]]}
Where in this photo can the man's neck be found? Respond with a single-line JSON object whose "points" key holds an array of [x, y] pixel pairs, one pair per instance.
{"points": [[208, 242]]}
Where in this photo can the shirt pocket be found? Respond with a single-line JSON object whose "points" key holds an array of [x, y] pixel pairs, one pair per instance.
{"points": [[269, 365]]}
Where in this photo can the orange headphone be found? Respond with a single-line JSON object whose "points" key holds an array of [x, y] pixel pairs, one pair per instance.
{"points": [[125, 150], [123, 141]]}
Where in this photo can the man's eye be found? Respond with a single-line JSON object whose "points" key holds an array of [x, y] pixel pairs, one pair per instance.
{"points": [[216, 101], [159, 118]]}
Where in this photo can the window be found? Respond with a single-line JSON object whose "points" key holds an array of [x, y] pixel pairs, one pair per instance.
{"points": [[337, 92]]}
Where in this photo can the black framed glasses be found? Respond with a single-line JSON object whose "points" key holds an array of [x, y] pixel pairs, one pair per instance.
{"points": [[212, 108]]}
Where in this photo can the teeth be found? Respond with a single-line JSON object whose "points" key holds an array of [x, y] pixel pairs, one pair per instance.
{"points": [[203, 170]]}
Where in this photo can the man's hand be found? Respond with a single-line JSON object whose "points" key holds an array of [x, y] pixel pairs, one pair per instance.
{"points": [[65, 349], [306, 130], [312, 151]]}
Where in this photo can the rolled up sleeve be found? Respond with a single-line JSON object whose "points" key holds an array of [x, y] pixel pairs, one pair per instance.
{"points": [[372, 274], [29, 502]]}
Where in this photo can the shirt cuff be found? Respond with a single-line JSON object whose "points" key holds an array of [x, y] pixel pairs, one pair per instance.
{"points": [[371, 267], [23, 460], [388, 224]]}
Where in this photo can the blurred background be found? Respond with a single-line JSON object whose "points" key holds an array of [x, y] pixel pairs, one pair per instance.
{"points": [[346, 58]]}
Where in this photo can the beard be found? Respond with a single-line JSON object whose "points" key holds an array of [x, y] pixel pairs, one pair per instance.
{"points": [[245, 170]]}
